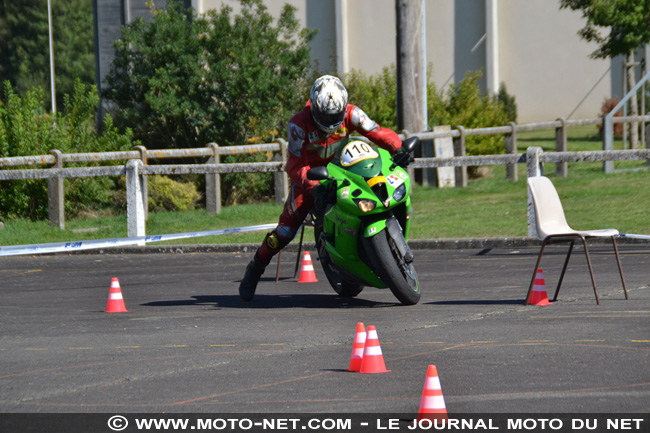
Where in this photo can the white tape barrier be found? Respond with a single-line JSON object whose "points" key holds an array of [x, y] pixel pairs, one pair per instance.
{"points": [[625, 235], [57, 247]]}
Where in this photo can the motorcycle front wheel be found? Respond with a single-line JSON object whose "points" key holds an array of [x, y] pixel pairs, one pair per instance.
{"points": [[391, 267]]}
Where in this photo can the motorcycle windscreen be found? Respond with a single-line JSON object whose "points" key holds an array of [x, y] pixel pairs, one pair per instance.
{"points": [[360, 158]]}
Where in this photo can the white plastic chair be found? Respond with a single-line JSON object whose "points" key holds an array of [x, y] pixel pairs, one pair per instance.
{"points": [[552, 227]]}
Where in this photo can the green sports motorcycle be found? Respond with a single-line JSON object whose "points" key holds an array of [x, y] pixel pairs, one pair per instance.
{"points": [[361, 219]]}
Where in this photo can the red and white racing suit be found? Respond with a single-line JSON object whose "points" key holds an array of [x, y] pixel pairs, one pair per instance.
{"points": [[310, 147]]}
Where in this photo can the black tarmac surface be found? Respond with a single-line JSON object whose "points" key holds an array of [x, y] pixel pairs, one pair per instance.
{"points": [[189, 344]]}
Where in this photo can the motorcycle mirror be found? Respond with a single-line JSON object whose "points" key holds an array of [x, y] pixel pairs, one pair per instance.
{"points": [[318, 173], [411, 144]]}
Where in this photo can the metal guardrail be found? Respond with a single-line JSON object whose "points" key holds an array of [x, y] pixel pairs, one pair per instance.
{"points": [[136, 169]]}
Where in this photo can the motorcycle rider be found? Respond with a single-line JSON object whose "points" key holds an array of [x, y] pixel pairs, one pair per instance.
{"points": [[326, 118]]}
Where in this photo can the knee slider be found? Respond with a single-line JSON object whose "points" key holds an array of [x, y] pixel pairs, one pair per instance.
{"points": [[275, 242]]}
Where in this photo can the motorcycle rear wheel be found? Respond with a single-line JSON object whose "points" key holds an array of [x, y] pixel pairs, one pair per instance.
{"points": [[345, 288], [393, 270]]}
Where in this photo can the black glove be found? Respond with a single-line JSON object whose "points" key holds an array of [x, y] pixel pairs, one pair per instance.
{"points": [[321, 195], [403, 158]]}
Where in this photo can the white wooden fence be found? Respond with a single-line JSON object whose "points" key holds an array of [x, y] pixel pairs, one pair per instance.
{"points": [[137, 168]]}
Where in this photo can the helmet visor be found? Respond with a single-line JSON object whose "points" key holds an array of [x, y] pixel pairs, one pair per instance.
{"points": [[328, 121]]}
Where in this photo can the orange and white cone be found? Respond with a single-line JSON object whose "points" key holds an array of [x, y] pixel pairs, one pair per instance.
{"points": [[373, 358], [432, 404], [538, 295], [115, 300], [307, 274], [357, 348]]}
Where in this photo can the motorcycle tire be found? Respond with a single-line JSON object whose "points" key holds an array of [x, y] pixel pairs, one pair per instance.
{"points": [[393, 270], [344, 288]]}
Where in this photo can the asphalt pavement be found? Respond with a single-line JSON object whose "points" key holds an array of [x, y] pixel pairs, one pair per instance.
{"points": [[189, 344]]}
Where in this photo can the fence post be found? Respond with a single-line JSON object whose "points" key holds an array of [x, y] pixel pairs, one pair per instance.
{"points": [[533, 168], [431, 176], [56, 194], [608, 142], [134, 199], [213, 184], [511, 149], [411, 170], [460, 150], [280, 178], [144, 182], [561, 168], [442, 147]]}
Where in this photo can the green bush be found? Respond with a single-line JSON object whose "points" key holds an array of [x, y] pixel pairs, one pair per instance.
{"points": [[240, 188], [463, 105], [26, 128], [164, 193], [375, 94], [466, 106], [168, 194], [508, 102]]}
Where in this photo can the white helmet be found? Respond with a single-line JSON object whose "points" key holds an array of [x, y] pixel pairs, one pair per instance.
{"points": [[329, 101]]}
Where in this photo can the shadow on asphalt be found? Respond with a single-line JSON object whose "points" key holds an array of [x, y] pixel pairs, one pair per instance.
{"points": [[481, 302], [274, 301]]}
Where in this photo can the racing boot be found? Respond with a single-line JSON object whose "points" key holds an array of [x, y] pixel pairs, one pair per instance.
{"points": [[248, 284], [271, 246]]}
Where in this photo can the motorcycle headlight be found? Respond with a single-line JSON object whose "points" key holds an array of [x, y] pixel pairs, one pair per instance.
{"points": [[366, 205], [400, 192]]}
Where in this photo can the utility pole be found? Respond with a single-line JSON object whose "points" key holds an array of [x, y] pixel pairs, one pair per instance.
{"points": [[52, 75], [411, 66]]}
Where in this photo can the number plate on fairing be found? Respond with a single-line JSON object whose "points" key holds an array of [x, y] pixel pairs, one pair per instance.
{"points": [[357, 151]]}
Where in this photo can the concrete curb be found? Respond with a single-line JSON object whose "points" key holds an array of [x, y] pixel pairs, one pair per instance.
{"points": [[417, 244]]}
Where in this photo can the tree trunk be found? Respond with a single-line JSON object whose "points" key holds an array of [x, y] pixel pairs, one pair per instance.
{"points": [[634, 105]]}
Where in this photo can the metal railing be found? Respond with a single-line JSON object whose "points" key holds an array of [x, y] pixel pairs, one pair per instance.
{"points": [[137, 167]]}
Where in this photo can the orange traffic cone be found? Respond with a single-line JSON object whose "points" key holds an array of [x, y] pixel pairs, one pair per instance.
{"points": [[373, 359], [357, 348], [307, 274], [432, 404], [115, 300], [538, 296]]}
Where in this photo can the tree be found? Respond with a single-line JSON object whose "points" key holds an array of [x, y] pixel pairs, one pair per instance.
{"points": [[620, 27], [24, 45], [184, 80]]}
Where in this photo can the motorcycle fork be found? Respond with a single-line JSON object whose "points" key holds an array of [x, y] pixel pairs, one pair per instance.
{"points": [[396, 234]]}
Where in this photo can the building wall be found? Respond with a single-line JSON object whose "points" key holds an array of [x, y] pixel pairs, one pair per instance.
{"points": [[541, 59], [546, 64], [312, 14]]}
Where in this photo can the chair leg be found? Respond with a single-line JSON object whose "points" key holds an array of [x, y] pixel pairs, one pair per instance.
{"points": [[620, 269], [277, 269], [591, 271], [302, 234], [566, 264], [532, 281]]}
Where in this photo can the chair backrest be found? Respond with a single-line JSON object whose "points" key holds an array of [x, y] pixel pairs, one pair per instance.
{"points": [[549, 214]]}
